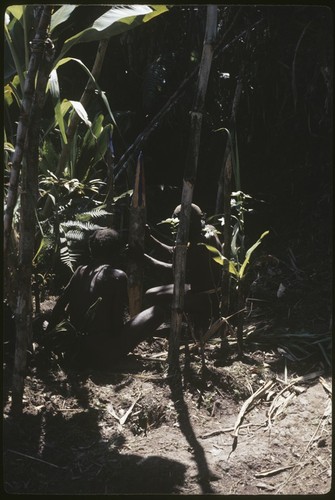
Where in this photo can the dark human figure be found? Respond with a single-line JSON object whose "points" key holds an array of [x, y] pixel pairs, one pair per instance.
{"points": [[96, 301], [203, 274]]}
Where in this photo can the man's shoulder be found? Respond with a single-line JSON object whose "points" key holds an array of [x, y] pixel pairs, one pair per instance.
{"points": [[107, 271]]}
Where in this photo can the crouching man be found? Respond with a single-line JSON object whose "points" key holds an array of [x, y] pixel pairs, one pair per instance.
{"points": [[96, 302]]}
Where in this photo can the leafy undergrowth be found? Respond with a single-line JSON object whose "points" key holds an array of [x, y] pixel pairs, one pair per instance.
{"points": [[257, 425]]}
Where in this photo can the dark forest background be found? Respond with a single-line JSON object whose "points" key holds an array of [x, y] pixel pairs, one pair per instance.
{"points": [[282, 56], [284, 116]]}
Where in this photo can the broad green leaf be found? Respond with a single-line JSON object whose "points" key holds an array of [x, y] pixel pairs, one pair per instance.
{"points": [[65, 106], [123, 195], [48, 156], [55, 93], [40, 248], [65, 60], [234, 247], [16, 10], [73, 156], [11, 90], [53, 85], [92, 134], [115, 21], [61, 15], [220, 259], [249, 252], [104, 98], [53, 199], [157, 10], [9, 147], [232, 268], [8, 95], [81, 112], [102, 144], [212, 249], [9, 68]]}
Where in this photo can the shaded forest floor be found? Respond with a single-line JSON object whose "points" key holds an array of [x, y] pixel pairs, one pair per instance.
{"points": [[129, 431]]}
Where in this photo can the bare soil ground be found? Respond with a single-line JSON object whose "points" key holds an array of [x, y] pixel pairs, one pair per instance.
{"points": [[128, 431], [257, 425]]}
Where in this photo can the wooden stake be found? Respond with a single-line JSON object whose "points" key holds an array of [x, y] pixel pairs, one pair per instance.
{"points": [[187, 193], [136, 241]]}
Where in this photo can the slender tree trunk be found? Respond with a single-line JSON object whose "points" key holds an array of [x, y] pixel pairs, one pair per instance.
{"points": [[136, 241], [187, 193], [29, 194]]}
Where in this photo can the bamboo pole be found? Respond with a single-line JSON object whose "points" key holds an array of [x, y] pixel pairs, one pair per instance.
{"points": [[29, 195], [187, 193], [22, 128], [136, 241]]}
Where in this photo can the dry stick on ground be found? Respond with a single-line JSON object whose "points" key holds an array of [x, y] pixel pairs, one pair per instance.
{"points": [[84, 100], [229, 429], [36, 459], [273, 472], [246, 405], [29, 194], [187, 193]]}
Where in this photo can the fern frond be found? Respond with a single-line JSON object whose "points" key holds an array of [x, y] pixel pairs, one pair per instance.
{"points": [[65, 256], [77, 224], [95, 213], [75, 235]]}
